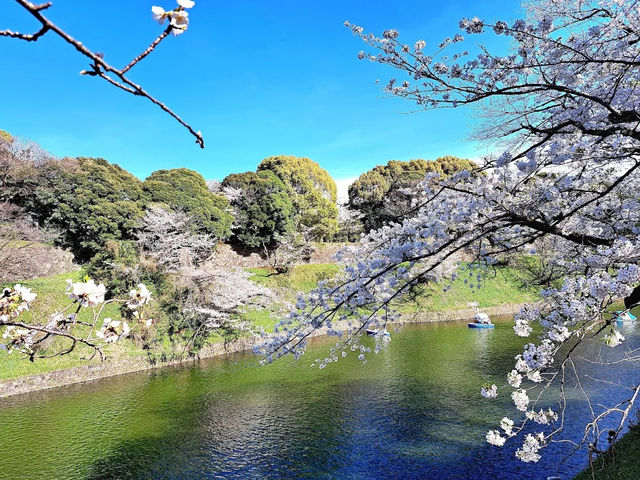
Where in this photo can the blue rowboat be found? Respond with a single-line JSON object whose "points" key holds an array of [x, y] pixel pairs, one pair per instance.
{"points": [[481, 320], [480, 325], [375, 331], [625, 317]]}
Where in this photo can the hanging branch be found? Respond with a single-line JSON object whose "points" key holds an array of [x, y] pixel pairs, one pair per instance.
{"points": [[178, 22]]}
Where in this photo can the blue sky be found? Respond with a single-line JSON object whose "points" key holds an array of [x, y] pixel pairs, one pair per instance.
{"points": [[257, 77]]}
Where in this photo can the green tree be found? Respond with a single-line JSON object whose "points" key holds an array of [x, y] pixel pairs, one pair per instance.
{"points": [[312, 191], [186, 191], [89, 200], [385, 193], [263, 208], [5, 136]]}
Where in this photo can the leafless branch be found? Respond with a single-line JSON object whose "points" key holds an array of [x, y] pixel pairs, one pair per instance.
{"points": [[99, 67]]}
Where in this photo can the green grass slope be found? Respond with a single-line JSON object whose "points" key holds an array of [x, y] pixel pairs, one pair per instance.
{"points": [[52, 298], [625, 465], [500, 287]]}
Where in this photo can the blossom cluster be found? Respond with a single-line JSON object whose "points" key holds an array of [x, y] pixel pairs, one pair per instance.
{"points": [[495, 437], [178, 18], [86, 293], [113, 330], [14, 301], [530, 447], [17, 338], [489, 391], [139, 298]]}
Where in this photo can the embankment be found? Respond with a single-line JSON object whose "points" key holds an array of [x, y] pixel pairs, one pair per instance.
{"points": [[96, 371]]}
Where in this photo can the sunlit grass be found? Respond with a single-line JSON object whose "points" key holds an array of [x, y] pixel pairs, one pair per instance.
{"points": [[499, 287], [301, 278], [260, 318], [53, 298], [624, 466], [505, 285]]}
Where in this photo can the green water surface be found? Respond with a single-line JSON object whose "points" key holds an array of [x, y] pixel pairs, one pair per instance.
{"points": [[412, 411]]}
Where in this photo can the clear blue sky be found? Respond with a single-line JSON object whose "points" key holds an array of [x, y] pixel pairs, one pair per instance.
{"points": [[257, 77]]}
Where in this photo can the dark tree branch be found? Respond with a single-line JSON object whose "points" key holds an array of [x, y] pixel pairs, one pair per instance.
{"points": [[633, 299], [99, 67]]}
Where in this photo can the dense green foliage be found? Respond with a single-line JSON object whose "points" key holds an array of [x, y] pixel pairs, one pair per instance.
{"points": [[263, 208], [119, 266], [184, 190], [312, 191], [89, 200], [378, 193]]}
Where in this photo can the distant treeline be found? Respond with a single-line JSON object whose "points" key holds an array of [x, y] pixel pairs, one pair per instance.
{"points": [[91, 202]]}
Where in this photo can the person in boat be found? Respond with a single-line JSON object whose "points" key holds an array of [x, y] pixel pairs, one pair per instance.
{"points": [[479, 317], [482, 318]]}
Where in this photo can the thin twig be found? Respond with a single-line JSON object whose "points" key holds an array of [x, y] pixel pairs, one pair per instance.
{"points": [[149, 49], [99, 67]]}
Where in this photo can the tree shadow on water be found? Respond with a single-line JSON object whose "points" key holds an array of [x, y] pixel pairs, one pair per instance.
{"points": [[144, 458]]}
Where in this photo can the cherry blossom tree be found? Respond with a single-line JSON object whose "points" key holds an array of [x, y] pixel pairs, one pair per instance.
{"points": [[349, 223], [168, 237], [290, 248], [563, 107]]}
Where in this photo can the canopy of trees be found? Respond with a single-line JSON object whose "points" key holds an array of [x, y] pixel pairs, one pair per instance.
{"points": [[262, 206], [381, 194], [312, 191], [89, 200], [186, 191]]}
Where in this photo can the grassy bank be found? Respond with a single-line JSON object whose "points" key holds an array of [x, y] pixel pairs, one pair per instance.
{"points": [[502, 288], [301, 278], [624, 466], [504, 285], [52, 298]]}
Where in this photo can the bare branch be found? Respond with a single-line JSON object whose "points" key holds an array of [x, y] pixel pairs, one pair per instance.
{"points": [[99, 67], [149, 49]]}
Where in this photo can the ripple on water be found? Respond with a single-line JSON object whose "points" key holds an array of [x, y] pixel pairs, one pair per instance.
{"points": [[412, 412]]}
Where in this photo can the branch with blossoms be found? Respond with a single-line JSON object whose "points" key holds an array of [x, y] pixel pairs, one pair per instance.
{"points": [[177, 22], [36, 340], [563, 108], [570, 326]]}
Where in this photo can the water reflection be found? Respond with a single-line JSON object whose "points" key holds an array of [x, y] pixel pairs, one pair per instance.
{"points": [[412, 412]]}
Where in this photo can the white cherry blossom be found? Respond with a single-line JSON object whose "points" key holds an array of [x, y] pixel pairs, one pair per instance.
{"points": [[520, 399], [613, 339], [113, 330], [494, 438], [489, 391], [87, 293], [158, 14]]}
